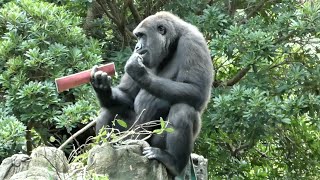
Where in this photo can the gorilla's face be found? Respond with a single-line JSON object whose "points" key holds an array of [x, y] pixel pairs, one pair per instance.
{"points": [[155, 36]]}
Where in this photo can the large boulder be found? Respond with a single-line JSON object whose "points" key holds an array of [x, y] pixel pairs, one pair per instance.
{"points": [[49, 157], [13, 165], [122, 162], [118, 162], [44, 163]]}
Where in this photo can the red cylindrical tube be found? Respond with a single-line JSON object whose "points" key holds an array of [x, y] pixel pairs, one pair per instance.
{"points": [[74, 80]]}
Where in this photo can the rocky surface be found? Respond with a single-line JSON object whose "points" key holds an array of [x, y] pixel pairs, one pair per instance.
{"points": [[118, 162]]}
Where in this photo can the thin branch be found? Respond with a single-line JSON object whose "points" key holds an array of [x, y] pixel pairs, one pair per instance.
{"points": [[29, 137], [235, 79], [113, 9], [128, 133], [256, 8], [137, 119], [238, 76], [130, 33], [110, 15], [113, 15], [77, 134], [147, 137]]}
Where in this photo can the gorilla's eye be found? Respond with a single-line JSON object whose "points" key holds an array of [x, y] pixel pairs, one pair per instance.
{"points": [[162, 30]]}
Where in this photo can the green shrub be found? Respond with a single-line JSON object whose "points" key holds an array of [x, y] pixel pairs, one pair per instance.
{"points": [[263, 119], [11, 134], [40, 42]]}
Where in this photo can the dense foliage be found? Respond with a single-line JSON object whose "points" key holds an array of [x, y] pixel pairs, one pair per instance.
{"points": [[40, 42], [263, 120], [268, 124]]}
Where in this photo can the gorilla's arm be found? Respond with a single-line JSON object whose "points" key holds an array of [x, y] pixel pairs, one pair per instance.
{"points": [[193, 75], [113, 100], [173, 91]]}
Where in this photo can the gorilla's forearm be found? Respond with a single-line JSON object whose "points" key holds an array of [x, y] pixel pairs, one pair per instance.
{"points": [[173, 91], [115, 98], [120, 96]]}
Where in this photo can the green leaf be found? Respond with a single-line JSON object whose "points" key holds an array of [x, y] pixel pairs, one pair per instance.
{"points": [[162, 123], [169, 130], [158, 131], [286, 121], [122, 123]]}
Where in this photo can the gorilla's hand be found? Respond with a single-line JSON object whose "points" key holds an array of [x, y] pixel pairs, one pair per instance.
{"points": [[135, 68], [151, 152], [100, 81], [162, 156]]}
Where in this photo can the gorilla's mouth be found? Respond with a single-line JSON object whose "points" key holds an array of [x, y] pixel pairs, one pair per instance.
{"points": [[143, 52]]}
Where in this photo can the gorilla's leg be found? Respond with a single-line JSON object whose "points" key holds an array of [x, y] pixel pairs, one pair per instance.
{"points": [[107, 115], [179, 144]]}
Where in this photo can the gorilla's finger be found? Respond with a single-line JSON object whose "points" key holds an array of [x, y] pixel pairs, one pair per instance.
{"points": [[147, 151], [97, 78], [150, 155], [101, 86], [105, 80], [94, 70]]}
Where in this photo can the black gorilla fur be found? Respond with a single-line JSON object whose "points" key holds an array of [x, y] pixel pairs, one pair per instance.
{"points": [[169, 75]]}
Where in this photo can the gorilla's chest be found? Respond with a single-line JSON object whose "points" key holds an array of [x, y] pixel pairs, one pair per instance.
{"points": [[152, 107]]}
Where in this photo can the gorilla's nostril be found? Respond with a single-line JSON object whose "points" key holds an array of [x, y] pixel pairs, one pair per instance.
{"points": [[138, 46], [143, 52]]}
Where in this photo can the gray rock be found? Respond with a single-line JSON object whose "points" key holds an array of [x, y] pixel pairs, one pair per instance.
{"points": [[118, 162], [44, 163], [125, 162], [200, 165], [36, 173], [13, 165], [200, 169], [49, 157]]}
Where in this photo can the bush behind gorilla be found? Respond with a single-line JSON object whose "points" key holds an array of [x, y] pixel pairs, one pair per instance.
{"points": [[169, 75]]}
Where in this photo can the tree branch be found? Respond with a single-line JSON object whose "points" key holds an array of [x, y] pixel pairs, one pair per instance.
{"points": [[255, 10], [234, 80], [110, 15], [238, 76], [134, 11], [113, 10], [29, 137], [72, 137], [114, 15]]}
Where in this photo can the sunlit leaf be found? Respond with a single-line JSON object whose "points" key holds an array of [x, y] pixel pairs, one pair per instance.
{"points": [[122, 123]]}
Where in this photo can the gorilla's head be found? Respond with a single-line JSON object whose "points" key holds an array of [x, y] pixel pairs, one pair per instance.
{"points": [[157, 36]]}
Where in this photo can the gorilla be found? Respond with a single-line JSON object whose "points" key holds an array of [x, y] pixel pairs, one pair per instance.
{"points": [[169, 76]]}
